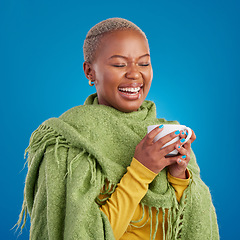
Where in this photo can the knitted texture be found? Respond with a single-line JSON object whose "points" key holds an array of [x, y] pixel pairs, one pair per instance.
{"points": [[71, 157]]}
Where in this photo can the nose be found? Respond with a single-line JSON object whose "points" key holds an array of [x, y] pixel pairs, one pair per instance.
{"points": [[132, 72]]}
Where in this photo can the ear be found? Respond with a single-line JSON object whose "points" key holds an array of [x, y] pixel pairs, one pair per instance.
{"points": [[89, 71]]}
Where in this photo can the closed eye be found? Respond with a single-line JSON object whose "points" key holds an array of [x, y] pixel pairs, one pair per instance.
{"points": [[143, 64], [119, 65]]}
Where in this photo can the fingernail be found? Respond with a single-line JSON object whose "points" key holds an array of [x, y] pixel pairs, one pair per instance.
{"points": [[177, 132], [184, 156], [180, 160], [161, 126], [179, 147], [182, 140]]}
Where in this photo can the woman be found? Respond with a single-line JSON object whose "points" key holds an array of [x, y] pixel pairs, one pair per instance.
{"points": [[94, 173]]}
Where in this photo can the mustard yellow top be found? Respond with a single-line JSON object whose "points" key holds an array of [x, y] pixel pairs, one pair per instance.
{"points": [[128, 218]]}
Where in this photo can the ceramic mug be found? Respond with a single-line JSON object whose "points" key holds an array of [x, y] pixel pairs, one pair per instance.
{"points": [[168, 128]]}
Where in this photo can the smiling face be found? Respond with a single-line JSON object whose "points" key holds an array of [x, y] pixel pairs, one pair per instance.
{"points": [[122, 70]]}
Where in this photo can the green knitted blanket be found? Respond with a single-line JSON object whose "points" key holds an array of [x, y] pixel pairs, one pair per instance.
{"points": [[69, 160]]}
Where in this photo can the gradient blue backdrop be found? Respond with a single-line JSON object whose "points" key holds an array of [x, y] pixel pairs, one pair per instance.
{"points": [[195, 56]]}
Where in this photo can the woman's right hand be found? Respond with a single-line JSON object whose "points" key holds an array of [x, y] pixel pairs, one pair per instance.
{"points": [[151, 155]]}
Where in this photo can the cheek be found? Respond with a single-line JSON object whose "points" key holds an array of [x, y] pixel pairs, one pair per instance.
{"points": [[106, 81], [108, 73], [148, 75], [113, 77], [101, 78]]}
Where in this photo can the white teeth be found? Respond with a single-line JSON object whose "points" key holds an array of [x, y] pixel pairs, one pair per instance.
{"points": [[132, 90]]}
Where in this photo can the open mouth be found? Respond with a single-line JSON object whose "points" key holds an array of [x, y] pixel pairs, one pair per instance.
{"points": [[130, 91]]}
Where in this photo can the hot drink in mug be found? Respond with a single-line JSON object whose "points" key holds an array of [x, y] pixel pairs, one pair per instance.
{"points": [[168, 128]]}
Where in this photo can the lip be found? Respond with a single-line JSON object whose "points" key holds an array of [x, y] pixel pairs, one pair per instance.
{"points": [[130, 85], [131, 97]]}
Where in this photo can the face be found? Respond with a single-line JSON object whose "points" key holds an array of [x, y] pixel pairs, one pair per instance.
{"points": [[122, 71]]}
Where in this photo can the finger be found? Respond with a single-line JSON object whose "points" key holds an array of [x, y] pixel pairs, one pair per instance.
{"points": [[187, 145], [181, 150], [182, 163], [167, 138], [176, 159], [181, 143], [172, 160], [151, 135], [183, 134], [166, 150], [193, 137], [185, 155]]}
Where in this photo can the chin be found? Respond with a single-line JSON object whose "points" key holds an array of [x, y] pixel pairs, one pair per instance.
{"points": [[127, 108]]}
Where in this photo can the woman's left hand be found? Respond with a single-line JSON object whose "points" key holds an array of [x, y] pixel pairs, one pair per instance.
{"points": [[178, 169]]}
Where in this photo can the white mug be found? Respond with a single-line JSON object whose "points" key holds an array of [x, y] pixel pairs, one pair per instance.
{"points": [[168, 128]]}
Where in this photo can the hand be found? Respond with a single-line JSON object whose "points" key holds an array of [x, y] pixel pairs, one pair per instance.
{"points": [[151, 154], [178, 169]]}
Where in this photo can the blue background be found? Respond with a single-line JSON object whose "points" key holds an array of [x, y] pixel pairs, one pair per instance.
{"points": [[195, 56]]}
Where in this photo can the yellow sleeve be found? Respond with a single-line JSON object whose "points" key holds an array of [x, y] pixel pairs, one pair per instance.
{"points": [[179, 184], [120, 207]]}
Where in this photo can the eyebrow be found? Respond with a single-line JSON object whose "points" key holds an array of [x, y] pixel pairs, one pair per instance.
{"points": [[120, 56]]}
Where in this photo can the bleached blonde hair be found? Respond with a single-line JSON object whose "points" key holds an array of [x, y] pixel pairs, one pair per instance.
{"points": [[95, 34]]}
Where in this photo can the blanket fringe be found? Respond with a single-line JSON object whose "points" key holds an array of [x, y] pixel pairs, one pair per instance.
{"points": [[156, 227], [74, 160], [39, 139], [22, 219], [42, 137], [173, 217], [143, 214], [150, 217], [92, 164], [169, 225], [107, 190]]}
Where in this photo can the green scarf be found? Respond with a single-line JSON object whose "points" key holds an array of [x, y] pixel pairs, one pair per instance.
{"points": [[69, 159]]}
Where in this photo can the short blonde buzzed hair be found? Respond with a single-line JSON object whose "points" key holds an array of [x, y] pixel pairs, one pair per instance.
{"points": [[92, 40]]}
